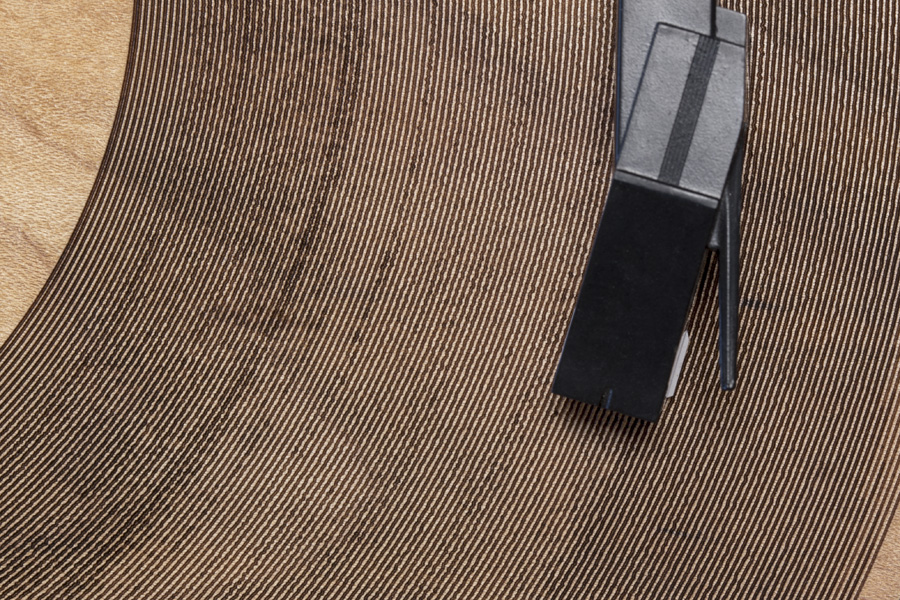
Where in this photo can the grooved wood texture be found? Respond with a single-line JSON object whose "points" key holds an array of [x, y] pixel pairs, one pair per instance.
{"points": [[301, 341]]}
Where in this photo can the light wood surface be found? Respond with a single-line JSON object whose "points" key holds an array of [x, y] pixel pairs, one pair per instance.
{"points": [[884, 579], [62, 65]]}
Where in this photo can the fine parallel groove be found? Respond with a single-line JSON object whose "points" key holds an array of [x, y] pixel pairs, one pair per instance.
{"points": [[301, 341]]}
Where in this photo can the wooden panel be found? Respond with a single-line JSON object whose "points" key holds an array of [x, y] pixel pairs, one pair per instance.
{"points": [[62, 66]]}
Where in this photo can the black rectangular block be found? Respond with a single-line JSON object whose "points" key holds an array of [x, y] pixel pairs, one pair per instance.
{"points": [[635, 296]]}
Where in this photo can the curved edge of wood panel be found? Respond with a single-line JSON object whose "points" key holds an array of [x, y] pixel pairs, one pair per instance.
{"points": [[63, 66]]}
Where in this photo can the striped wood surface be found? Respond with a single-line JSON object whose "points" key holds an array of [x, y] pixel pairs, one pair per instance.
{"points": [[302, 337]]}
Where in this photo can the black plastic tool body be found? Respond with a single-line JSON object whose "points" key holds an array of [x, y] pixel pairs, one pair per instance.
{"points": [[676, 191], [626, 325], [637, 24]]}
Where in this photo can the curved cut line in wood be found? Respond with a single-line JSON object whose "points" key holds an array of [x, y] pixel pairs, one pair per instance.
{"points": [[63, 65]]}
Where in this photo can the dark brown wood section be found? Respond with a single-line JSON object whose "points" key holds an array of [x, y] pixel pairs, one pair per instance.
{"points": [[301, 342]]}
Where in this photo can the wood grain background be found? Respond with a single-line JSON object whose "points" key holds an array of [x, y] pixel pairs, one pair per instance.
{"points": [[62, 66]]}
